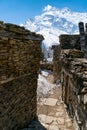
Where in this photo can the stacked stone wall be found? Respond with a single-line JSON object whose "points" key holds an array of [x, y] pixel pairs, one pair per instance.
{"points": [[20, 55], [72, 66], [46, 66], [56, 63], [67, 42]]}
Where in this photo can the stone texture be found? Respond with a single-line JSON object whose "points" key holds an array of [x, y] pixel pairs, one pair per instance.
{"points": [[53, 117], [74, 90], [47, 119], [50, 101], [56, 63], [46, 66], [73, 76], [20, 56]]}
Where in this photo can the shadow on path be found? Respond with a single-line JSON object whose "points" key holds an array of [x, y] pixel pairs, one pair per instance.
{"points": [[35, 125]]}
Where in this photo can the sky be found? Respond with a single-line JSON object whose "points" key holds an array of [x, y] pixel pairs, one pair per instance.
{"points": [[18, 11]]}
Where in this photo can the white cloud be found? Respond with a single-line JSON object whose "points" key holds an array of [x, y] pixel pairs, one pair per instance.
{"points": [[54, 22], [47, 8]]}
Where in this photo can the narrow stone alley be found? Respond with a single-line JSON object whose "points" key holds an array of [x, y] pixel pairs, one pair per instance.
{"points": [[30, 100], [51, 110]]}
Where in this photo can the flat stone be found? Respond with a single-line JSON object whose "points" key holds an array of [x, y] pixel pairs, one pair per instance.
{"points": [[46, 119], [50, 101]]}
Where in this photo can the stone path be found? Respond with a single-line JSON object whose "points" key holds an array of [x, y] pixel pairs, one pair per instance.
{"points": [[52, 113], [51, 110]]}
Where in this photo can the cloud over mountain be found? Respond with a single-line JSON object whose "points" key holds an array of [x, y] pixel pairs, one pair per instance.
{"points": [[53, 22]]}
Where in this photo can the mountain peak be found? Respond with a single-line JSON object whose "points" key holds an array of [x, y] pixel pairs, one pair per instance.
{"points": [[48, 8], [54, 22], [65, 10]]}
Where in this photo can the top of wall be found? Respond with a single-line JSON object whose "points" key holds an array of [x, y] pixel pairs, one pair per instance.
{"points": [[15, 31], [20, 52], [70, 41]]}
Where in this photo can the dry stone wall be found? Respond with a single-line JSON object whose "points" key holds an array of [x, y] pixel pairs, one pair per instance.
{"points": [[20, 55], [69, 47], [72, 62], [74, 89], [46, 66], [56, 62]]}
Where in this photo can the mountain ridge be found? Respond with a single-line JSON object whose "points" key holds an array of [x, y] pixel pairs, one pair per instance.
{"points": [[54, 22]]}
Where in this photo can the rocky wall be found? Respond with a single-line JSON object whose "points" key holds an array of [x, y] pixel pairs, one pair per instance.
{"points": [[56, 63], [70, 41], [74, 80], [20, 55], [67, 42], [46, 66], [74, 90]]}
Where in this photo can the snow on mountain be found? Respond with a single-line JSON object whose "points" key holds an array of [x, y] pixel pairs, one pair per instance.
{"points": [[53, 22]]}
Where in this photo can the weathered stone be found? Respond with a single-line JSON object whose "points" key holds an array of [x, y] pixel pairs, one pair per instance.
{"points": [[82, 36], [20, 55], [56, 63], [46, 119], [73, 75], [50, 101]]}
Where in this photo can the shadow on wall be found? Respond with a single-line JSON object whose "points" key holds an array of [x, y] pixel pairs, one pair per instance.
{"points": [[35, 125]]}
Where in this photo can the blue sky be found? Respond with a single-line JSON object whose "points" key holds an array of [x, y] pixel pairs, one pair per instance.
{"points": [[18, 11]]}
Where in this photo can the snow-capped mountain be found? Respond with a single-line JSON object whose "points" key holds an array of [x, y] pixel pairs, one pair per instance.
{"points": [[53, 22]]}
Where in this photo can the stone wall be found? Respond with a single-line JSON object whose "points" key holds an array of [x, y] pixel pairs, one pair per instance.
{"points": [[46, 66], [20, 55], [74, 89], [72, 71], [71, 42], [56, 63]]}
